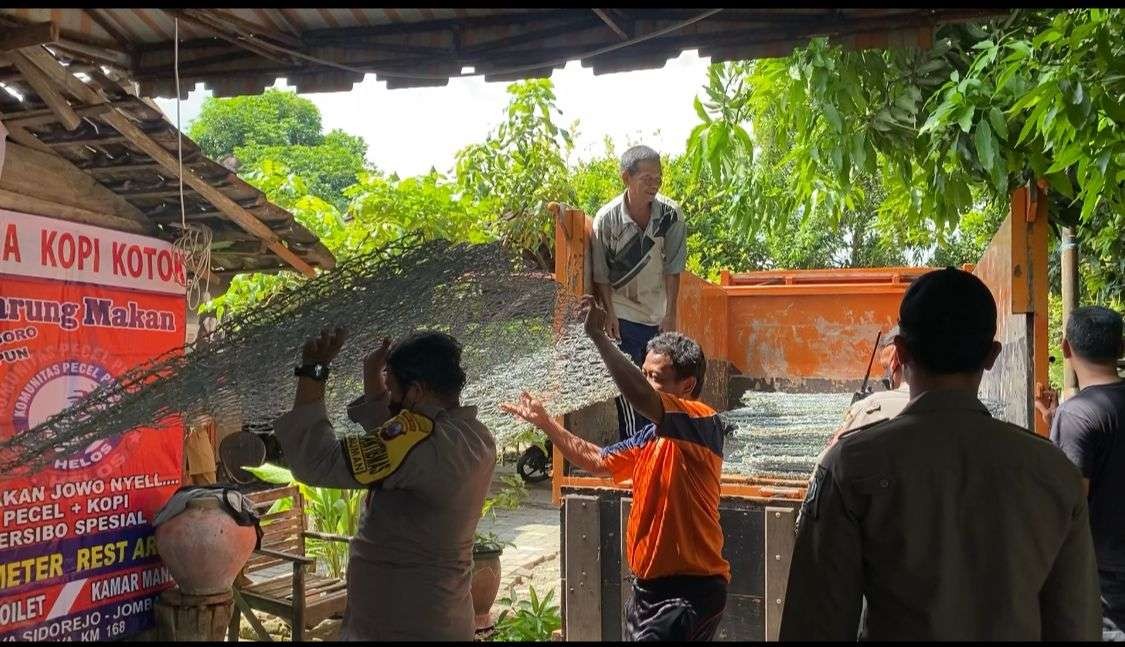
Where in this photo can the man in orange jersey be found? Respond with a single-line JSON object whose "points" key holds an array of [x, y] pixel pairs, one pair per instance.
{"points": [[674, 541]]}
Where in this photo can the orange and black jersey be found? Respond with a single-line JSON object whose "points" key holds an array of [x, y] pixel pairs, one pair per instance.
{"points": [[675, 468]]}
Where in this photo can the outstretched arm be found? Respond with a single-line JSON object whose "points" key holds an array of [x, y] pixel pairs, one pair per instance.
{"points": [[579, 451], [625, 373]]}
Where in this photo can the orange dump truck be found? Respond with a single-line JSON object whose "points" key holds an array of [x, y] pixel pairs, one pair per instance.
{"points": [[806, 331]]}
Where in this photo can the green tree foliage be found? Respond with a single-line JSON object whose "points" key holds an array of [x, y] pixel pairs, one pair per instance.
{"points": [[502, 192], [380, 210], [328, 167], [521, 167], [747, 176], [944, 132], [281, 126], [273, 118]]}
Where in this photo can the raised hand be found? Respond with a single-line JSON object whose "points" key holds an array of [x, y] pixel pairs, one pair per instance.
{"points": [[1046, 402], [595, 317], [373, 383], [530, 409], [324, 348]]}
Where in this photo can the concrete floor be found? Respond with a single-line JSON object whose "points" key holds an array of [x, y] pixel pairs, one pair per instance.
{"points": [[534, 529]]}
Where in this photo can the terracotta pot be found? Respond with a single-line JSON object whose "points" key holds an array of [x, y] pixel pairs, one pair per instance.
{"points": [[486, 583], [204, 547]]}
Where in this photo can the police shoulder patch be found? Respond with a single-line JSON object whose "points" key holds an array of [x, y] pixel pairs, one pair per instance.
{"points": [[811, 505], [373, 457]]}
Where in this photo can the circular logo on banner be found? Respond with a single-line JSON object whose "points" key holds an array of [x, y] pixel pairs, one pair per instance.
{"points": [[55, 388]]}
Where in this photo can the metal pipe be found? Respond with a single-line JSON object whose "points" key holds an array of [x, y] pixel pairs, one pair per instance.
{"points": [[1068, 251]]}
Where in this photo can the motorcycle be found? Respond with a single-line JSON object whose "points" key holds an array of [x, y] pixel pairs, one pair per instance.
{"points": [[534, 465]]}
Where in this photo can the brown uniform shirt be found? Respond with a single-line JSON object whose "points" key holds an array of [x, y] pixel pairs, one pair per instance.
{"points": [[878, 406], [953, 525], [410, 564]]}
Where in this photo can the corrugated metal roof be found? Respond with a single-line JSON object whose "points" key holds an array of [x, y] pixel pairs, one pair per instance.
{"points": [[238, 51]]}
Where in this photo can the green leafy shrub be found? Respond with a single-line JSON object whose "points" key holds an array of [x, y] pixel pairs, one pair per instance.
{"points": [[508, 498], [533, 619], [328, 510]]}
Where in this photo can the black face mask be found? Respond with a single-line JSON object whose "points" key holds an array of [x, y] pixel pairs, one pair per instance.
{"points": [[396, 407]]}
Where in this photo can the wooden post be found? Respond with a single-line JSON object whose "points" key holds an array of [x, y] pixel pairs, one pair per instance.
{"points": [[572, 237], [189, 618], [583, 591], [299, 600], [779, 542], [1068, 251]]}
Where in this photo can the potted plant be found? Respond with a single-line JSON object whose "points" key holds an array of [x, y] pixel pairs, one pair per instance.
{"points": [[487, 548]]}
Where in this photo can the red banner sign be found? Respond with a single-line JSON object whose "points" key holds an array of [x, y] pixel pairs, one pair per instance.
{"points": [[80, 306]]}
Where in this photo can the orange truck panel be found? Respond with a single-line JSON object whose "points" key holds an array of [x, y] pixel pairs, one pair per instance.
{"points": [[794, 325], [790, 326]]}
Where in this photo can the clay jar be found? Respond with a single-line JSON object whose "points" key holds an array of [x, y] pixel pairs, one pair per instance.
{"points": [[204, 547], [485, 585]]}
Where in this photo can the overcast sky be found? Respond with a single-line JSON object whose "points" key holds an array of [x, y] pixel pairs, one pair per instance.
{"points": [[409, 130]]}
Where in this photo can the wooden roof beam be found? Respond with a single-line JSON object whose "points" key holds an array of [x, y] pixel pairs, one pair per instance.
{"points": [[206, 23], [14, 38], [103, 22], [21, 135], [87, 141], [150, 147], [32, 118], [611, 23], [46, 90], [251, 29], [26, 203], [284, 21], [109, 169], [236, 213], [439, 25]]}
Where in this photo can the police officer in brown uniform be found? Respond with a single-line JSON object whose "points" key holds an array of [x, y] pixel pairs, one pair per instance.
{"points": [[881, 405], [952, 525]]}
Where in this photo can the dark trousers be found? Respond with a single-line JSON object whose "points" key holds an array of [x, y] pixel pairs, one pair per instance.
{"points": [[634, 343], [680, 607], [1113, 605]]}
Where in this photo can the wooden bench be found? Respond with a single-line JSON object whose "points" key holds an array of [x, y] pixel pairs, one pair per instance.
{"points": [[302, 598]]}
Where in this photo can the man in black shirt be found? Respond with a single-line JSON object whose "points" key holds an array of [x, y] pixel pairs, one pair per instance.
{"points": [[1090, 428]]}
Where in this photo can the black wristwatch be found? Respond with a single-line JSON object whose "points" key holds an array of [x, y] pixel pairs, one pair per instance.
{"points": [[317, 371]]}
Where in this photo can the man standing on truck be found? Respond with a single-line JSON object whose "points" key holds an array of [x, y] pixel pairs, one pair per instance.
{"points": [[674, 543], [1090, 428], [952, 525], [638, 250]]}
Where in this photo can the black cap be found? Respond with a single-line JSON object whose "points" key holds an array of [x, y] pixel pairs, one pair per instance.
{"points": [[948, 318]]}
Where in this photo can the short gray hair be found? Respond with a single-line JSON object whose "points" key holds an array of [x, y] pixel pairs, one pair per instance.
{"points": [[631, 158]]}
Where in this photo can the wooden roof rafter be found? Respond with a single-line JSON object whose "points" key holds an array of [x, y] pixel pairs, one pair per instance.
{"points": [[123, 143]]}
